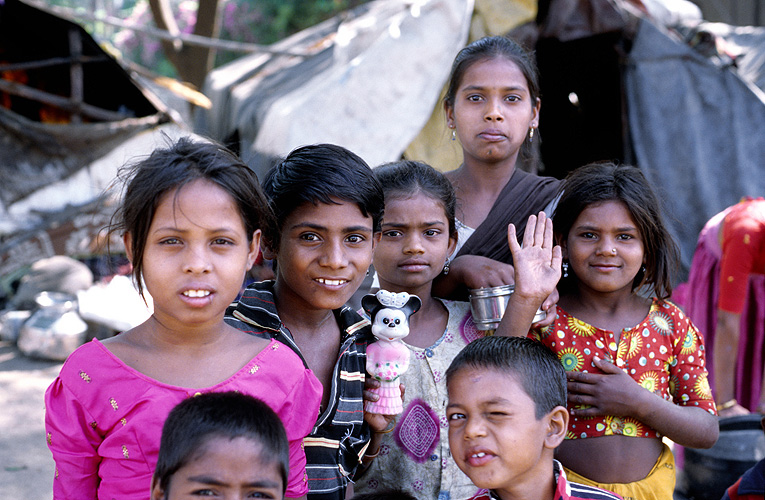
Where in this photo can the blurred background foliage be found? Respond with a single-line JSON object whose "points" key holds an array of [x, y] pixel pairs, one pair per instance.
{"points": [[251, 21]]}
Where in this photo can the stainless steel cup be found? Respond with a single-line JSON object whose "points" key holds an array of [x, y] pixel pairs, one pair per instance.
{"points": [[488, 305]]}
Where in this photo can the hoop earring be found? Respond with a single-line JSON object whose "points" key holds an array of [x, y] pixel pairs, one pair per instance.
{"points": [[531, 134], [446, 267], [565, 268]]}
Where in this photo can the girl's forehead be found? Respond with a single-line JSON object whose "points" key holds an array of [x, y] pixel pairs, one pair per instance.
{"points": [[420, 198], [608, 211], [501, 70]]}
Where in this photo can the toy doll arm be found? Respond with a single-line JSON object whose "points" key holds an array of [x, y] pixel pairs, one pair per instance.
{"points": [[537, 271]]}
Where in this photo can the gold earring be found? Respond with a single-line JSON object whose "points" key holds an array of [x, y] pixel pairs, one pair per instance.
{"points": [[531, 134]]}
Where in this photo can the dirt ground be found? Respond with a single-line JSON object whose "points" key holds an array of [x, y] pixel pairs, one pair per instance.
{"points": [[26, 465]]}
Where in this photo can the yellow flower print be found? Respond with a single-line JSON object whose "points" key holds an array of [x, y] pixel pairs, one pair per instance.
{"points": [[689, 343], [674, 383], [572, 359], [702, 388], [544, 332], [613, 424], [113, 402], [631, 348], [650, 381], [580, 327], [662, 322], [620, 426], [631, 429], [125, 452]]}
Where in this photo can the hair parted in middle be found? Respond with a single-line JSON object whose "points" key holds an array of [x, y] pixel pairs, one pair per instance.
{"points": [[606, 181], [408, 177]]}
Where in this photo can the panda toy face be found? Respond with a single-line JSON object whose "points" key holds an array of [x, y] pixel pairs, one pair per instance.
{"points": [[390, 324], [389, 313]]}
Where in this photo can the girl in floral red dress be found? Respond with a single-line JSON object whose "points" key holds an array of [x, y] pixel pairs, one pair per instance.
{"points": [[635, 362]]}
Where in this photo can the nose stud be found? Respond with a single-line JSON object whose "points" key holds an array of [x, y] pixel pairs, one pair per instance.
{"points": [[613, 251]]}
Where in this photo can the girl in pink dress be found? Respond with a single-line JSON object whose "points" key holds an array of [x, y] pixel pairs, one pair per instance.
{"points": [[190, 222]]}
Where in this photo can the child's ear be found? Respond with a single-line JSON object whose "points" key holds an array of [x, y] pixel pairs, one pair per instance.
{"points": [[449, 111], [561, 241], [157, 493], [254, 248], [127, 240], [537, 107], [452, 245], [557, 425]]}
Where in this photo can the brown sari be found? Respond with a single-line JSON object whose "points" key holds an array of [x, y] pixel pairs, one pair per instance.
{"points": [[523, 195]]}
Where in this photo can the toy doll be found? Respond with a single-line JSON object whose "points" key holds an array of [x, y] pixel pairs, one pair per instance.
{"points": [[388, 358]]}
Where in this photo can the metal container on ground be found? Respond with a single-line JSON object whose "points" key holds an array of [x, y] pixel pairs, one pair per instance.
{"points": [[55, 329]]}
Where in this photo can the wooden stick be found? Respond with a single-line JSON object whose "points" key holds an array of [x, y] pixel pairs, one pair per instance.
{"points": [[61, 102]]}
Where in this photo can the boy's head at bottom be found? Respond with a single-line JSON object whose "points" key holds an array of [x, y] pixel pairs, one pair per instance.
{"points": [[225, 445], [507, 414]]}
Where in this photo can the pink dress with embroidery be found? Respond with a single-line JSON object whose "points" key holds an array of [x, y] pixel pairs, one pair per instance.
{"points": [[104, 419]]}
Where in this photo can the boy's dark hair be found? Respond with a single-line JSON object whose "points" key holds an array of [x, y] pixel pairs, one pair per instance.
{"points": [[536, 367], [601, 182], [388, 494], [407, 177], [170, 169], [317, 174], [228, 415]]}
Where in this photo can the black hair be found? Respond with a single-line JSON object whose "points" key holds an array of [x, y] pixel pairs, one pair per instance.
{"points": [[407, 177], [537, 368], [606, 181], [228, 415], [317, 174], [387, 494], [172, 168]]}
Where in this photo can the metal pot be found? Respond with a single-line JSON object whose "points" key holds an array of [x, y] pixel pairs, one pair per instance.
{"points": [[488, 305], [55, 329]]}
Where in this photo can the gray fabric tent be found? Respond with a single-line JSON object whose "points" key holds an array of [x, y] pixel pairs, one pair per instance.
{"points": [[367, 80], [698, 129]]}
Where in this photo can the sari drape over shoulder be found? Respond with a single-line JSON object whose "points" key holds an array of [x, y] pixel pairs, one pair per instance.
{"points": [[523, 195]]}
